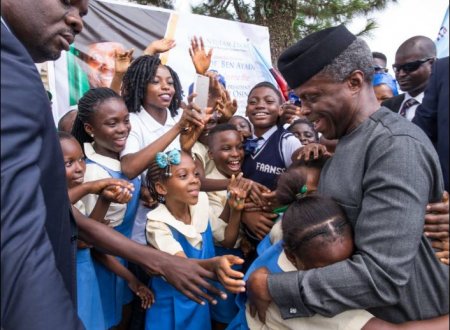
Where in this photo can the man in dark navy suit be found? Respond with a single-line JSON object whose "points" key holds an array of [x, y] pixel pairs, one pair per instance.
{"points": [[38, 231], [412, 68], [432, 114]]}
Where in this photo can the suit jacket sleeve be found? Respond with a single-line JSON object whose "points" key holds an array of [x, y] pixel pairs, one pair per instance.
{"points": [[34, 295]]}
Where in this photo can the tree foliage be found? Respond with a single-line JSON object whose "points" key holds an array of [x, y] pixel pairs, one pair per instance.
{"points": [[288, 20]]}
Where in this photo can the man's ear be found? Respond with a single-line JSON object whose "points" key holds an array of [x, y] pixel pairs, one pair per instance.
{"points": [[160, 189], [210, 154], [355, 80]]}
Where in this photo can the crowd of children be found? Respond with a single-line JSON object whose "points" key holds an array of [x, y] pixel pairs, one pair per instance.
{"points": [[211, 185]]}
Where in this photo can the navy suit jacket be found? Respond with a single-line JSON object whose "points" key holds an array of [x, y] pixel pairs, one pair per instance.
{"points": [[432, 114], [394, 103], [38, 242]]}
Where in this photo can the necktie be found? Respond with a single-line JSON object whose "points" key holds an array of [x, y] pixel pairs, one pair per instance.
{"points": [[251, 145], [408, 104]]}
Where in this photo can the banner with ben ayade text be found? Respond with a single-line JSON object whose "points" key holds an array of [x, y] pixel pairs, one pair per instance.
{"points": [[241, 51]]}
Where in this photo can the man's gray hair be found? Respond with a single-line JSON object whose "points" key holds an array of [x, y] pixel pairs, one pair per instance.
{"points": [[357, 56]]}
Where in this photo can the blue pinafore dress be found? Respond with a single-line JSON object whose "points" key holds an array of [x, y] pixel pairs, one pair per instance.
{"points": [[89, 303], [173, 310], [268, 259], [113, 289]]}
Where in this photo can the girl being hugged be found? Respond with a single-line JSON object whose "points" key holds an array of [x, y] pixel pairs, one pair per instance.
{"points": [[180, 225], [153, 96], [101, 127]]}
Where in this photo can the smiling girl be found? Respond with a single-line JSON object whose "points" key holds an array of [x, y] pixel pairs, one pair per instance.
{"points": [[180, 226], [102, 127]]}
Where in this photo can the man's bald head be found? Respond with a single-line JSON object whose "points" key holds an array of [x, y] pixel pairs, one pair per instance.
{"points": [[413, 61]]}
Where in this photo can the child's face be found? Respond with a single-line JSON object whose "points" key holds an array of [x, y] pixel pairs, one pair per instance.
{"points": [[304, 133], [184, 184], [242, 126], [110, 126], [263, 108], [73, 161], [160, 90], [212, 122], [227, 152]]}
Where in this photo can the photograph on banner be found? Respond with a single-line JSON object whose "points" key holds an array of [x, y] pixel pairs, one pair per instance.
{"points": [[241, 51]]}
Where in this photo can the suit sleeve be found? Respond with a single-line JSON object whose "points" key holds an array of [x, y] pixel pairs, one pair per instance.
{"points": [[34, 295], [426, 113]]}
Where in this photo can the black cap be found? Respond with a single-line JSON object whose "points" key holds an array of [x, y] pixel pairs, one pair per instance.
{"points": [[309, 56]]}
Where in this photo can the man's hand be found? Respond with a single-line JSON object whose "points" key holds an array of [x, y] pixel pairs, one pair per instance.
{"points": [[437, 219], [258, 294], [188, 277], [312, 151], [443, 254], [259, 223]]}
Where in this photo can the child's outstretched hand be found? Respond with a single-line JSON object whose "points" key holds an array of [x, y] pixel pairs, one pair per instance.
{"points": [[312, 151], [200, 58], [122, 61], [237, 191], [230, 278], [226, 106], [143, 292], [159, 46]]}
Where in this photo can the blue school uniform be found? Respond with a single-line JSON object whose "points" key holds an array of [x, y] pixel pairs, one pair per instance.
{"points": [[114, 289], [269, 260], [89, 303], [267, 163], [173, 310]]}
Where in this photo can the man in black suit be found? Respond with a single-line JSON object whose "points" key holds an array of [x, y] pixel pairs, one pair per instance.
{"points": [[412, 68], [38, 232], [432, 114]]}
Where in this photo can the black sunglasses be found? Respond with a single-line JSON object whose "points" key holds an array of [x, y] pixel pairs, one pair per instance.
{"points": [[410, 66], [378, 68]]}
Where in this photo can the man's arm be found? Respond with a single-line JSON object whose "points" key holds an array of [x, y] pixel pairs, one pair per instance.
{"points": [[388, 232], [33, 293], [184, 274]]}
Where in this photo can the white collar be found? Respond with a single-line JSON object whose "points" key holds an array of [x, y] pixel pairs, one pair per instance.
{"points": [[111, 163], [285, 264], [150, 122], [199, 217], [418, 98], [267, 134]]}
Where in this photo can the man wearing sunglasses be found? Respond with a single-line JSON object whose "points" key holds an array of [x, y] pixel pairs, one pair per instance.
{"points": [[412, 68]]}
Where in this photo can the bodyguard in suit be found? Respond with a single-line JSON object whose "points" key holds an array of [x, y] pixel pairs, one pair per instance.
{"points": [[38, 234], [383, 173], [412, 68], [432, 114]]}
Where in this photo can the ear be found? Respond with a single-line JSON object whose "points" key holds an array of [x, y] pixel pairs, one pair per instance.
{"points": [[355, 80], [160, 189], [291, 258], [88, 129], [210, 154]]}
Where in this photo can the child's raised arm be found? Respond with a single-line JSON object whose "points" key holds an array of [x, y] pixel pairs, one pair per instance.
{"points": [[96, 187]]}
